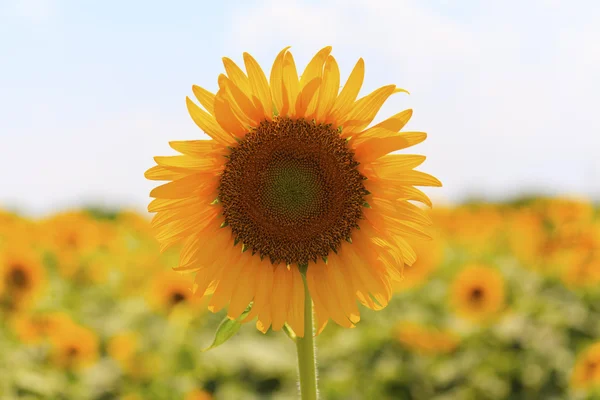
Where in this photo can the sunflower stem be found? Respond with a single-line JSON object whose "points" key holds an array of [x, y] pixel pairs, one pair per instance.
{"points": [[305, 346]]}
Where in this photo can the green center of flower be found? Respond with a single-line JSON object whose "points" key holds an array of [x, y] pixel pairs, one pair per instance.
{"points": [[291, 191]]}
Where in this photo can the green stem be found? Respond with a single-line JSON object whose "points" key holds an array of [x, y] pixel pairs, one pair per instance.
{"points": [[307, 368]]}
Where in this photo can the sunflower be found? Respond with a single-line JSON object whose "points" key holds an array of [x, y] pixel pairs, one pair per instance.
{"points": [[198, 394], [586, 372], [292, 185], [33, 329], [426, 340], [123, 346], [169, 289], [74, 348], [477, 292], [431, 254], [581, 269], [23, 277]]}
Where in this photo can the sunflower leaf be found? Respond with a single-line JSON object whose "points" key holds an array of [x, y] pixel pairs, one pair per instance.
{"points": [[288, 331], [227, 329]]}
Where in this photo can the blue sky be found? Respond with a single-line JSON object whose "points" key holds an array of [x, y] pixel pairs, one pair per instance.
{"points": [[91, 91]]}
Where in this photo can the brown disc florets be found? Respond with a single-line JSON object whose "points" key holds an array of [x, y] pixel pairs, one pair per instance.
{"points": [[291, 191]]}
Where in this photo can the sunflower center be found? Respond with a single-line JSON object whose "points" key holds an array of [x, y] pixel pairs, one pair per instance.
{"points": [[177, 298], [291, 191], [477, 295], [72, 352], [18, 278]]}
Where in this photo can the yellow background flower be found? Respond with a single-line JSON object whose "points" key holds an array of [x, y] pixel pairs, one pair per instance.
{"points": [[478, 293]]}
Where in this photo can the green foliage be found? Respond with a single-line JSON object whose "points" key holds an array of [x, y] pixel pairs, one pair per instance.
{"points": [[227, 329]]}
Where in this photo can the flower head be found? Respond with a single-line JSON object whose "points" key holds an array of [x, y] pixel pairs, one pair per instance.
{"points": [[75, 347], [477, 293], [586, 372], [293, 185], [22, 277]]}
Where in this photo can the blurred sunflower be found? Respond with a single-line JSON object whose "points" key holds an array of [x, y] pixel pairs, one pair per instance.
{"points": [[74, 348], [582, 269], [72, 232], [123, 346], [425, 339], [528, 237], [71, 236], [34, 328], [23, 277], [294, 177], [431, 254], [477, 292], [17, 229], [136, 363], [198, 394], [169, 289], [586, 372]]}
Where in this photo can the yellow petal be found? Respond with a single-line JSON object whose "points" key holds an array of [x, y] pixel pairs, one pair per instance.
{"points": [[344, 101], [320, 311], [264, 289], [184, 187], [329, 298], [204, 278], [179, 230], [227, 281], [196, 212], [198, 148], [207, 123], [276, 80], [206, 98], [314, 69], [196, 164], [203, 248], [259, 84], [373, 148], [391, 164], [308, 94], [160, 173], [400, 209], [291, 86], [281, 291], [168, 204], [240, 104], [364, 110], [237, 76], [245, 289], [383, 129], [328, 90], [264, 320], [411, 178], [296, 313], [226, 118], [396, 192], [343, 288]]}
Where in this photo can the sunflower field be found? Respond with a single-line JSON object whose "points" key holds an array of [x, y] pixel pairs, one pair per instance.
{"points": [[504, 303]]}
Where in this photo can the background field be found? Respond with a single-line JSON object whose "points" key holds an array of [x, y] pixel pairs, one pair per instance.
{"points": [[504, 303]]}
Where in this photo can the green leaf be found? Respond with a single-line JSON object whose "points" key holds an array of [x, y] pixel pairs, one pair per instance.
{"points": [[288, 331], [228, 328]]}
